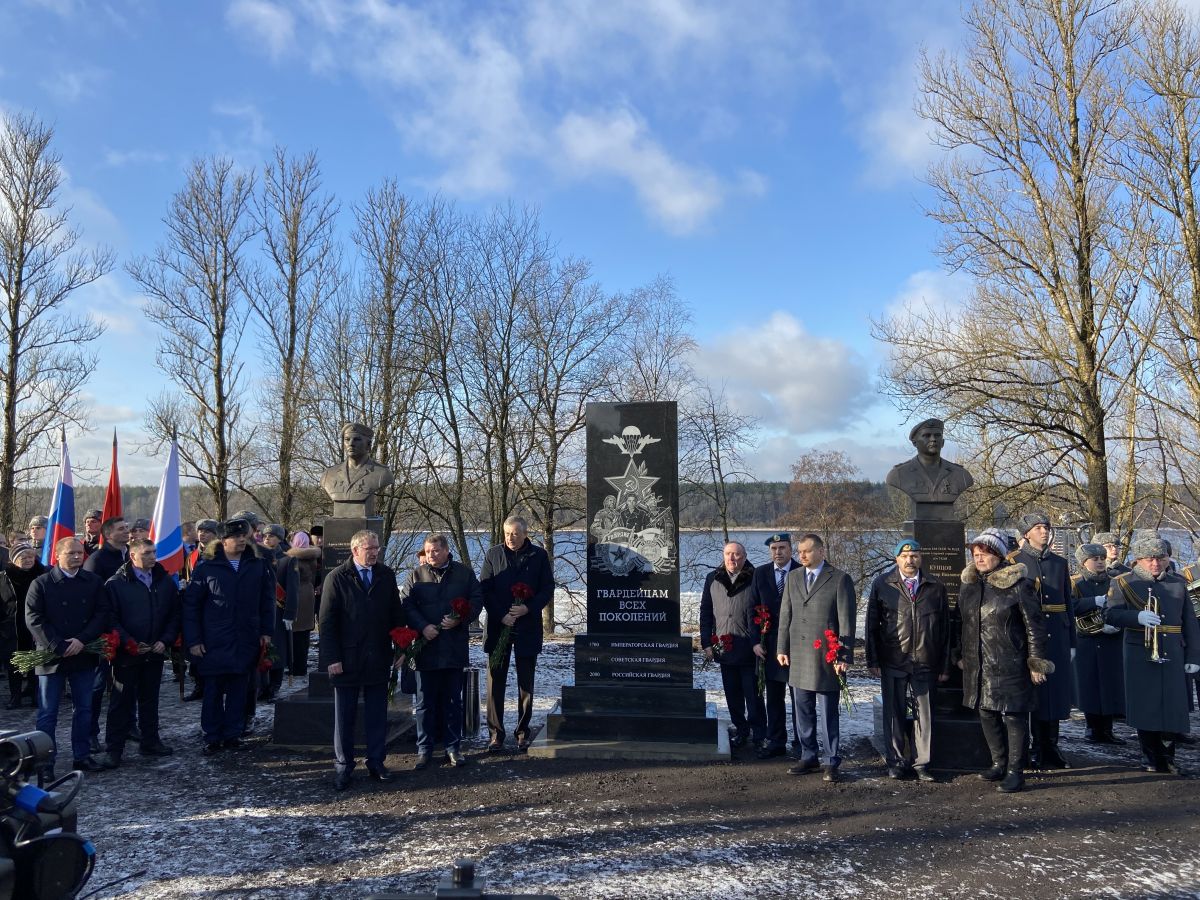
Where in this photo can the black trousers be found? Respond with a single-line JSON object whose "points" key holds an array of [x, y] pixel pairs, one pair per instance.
{"points": [[135, 691], [299, 665], [1006, 735], [345, 710], [745, 703], [497, 682], [776, 706]]}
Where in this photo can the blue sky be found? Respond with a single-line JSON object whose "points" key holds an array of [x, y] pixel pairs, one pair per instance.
{"points": [[765, 155]]}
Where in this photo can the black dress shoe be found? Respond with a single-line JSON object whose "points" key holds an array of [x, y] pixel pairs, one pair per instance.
{"points": [[995, 773], [95, 746], [381, 775], [1012, 782], [923, 774], [737, 740], [341, 780], [159, 749], [108, 761], [87, 764], [421, 762], [1052, 759], [236, 745], [769, 752], [895, 773], [804, 768], [830, 774], [212, 748], [523, 745], [458, 760], [496, 745]]}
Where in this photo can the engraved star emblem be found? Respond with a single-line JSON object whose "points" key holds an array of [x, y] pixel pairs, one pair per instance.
{"points": [[634, 482]]}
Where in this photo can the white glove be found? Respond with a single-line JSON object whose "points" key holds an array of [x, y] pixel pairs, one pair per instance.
{"points": [[1110, 629], [1191, 668], [1100, 601], [287, 623], [1145, 617]]}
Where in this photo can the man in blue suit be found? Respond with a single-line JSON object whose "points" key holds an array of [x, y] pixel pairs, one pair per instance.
{"points": [[769, 582]]}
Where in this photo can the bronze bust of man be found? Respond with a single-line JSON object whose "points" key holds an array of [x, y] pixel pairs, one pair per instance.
{"points": [[353, 483], [932, 483]]}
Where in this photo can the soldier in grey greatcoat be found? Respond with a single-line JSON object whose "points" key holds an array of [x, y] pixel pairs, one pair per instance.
{"points": [[1099, 666], [817, 597], [1051, 579], [1155, 688]]}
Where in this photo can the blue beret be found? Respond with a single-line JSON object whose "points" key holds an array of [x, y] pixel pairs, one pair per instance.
{"points": [[906, 544], [778, 536]]}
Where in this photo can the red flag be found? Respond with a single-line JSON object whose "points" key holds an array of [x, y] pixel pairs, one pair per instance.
{"points": [[112, 496]]}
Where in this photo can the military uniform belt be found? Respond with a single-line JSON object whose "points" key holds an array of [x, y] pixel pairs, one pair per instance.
{"points": [[1054, 607], [1161, 629]]}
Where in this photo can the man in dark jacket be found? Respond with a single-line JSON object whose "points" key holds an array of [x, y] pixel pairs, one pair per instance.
{"points": [[517, 583], [228, 618], [428, 595], [767, 587], [817, 598], [104, 564], [287, 599], [1051, 579], [727, 611], [65, 610], [145, 609], [362, 606], [908, 650]]}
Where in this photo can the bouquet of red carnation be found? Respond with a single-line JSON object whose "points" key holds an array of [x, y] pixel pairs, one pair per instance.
{"points": [[721, 644], [132, 647], [268, 658], [408, 643], [832, 646], [762, 618], [25, 661], [520, 593], [460, 609]]}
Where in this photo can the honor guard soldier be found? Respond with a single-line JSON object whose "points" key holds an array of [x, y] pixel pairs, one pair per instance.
{"points": [[1162, 645], [1052, 581], [1099, 666]]}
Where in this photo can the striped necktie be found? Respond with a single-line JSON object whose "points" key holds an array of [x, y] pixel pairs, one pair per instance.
{"points": [[780, 577]]}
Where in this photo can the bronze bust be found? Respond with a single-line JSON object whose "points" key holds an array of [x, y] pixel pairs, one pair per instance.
{"points": [[353, 483], [932, 483]]}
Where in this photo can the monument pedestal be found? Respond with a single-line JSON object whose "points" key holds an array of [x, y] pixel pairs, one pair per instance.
{"points": [[307, 720], [337, 534], [633, 696]]}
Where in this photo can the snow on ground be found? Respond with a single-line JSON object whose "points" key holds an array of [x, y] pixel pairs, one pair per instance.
{"points": [[265, 824]]}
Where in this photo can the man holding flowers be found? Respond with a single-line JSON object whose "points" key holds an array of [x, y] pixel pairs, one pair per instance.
{"points": [[360, 606], [816, 642], [517, 582], [441, 597], [66, 609]]}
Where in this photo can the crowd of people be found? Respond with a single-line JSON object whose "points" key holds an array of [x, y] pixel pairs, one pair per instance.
{"points": [[1030, 641], [241, 614]]}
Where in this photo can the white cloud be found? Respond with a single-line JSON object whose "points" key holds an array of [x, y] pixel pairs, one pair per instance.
{"points": [[932, 290], [111, 302], [118, 158], [627, 88], [681, 197], [796, 383], [250, 136], [70, 86], [270, 24], [91, 451]]}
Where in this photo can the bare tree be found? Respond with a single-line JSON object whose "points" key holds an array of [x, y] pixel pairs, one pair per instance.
{"points": [[721, 435], [1031, 205], [301, 274], [194, 286], [46, 360]]}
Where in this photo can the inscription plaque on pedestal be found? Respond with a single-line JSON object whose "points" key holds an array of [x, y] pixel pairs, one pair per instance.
{"points": [[943, 552], [633, 668]]}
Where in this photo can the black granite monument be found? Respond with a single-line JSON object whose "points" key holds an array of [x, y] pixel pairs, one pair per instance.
{"points": [[633, 668]]}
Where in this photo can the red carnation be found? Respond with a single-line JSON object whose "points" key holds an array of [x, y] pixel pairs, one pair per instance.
{"points": [[112, 641], [403, 636], [460, 607], [178, 641], [521, 591], [817, 645], [131, 647]]}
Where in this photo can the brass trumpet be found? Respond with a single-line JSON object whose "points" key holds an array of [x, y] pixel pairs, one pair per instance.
{"points": [[1151, 637]]}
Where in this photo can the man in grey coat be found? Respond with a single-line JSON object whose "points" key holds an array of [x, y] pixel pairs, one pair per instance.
{"points": [[817, 597]]}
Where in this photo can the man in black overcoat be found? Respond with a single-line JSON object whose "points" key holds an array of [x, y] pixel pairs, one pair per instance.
{"points": [[769, 582], [361, 606]]}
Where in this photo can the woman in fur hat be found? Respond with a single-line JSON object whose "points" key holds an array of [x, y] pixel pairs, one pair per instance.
{"points": [[1002, 653]]}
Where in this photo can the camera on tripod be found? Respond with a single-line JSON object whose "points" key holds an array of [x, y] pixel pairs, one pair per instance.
{"points": [[41, 856]]}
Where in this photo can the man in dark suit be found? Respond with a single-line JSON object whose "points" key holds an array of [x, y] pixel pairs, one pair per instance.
{"points": [[428, 596], [361, 606], [65, 610], [769, 582], [518, 561], [817, 597], [104, 563]]}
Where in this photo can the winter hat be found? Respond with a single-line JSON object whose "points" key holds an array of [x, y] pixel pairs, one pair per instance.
{"points": [[1105, 537], [209, 525], [1150, 547], [21, 547], [993, 540], [300, 539], [278, 530], [1031, 519], [1089, 551]]}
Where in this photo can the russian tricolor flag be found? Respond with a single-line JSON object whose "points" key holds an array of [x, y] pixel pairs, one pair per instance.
{"points": [[165, 528], [61, 522]]}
